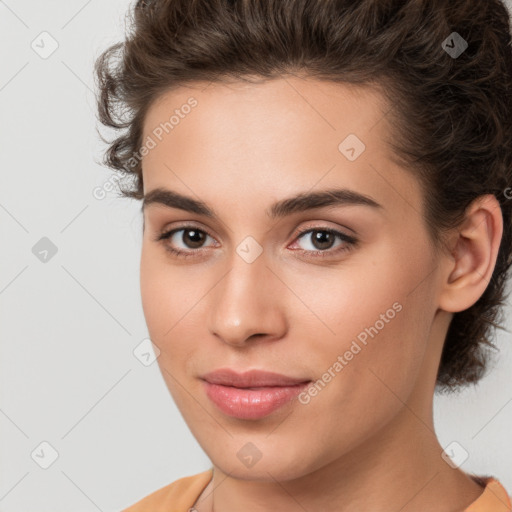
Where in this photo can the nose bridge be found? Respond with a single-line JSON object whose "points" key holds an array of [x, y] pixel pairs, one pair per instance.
{"points": [[243, 303]]}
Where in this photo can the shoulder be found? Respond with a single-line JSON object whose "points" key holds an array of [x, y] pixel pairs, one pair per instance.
{"points": [[177, 496], [494, 497]]}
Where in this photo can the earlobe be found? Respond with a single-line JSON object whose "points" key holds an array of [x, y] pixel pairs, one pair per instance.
{"points": [[473, 255]]}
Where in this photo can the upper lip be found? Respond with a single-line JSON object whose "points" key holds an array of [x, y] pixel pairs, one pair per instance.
{"points": [[251, 378]]}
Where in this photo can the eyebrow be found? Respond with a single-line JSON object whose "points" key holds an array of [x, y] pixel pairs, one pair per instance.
{"points": [[282, 208]]}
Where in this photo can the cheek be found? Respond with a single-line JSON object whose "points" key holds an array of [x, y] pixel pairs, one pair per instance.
{"points": [[153, 284], [164, 291], [171, 301], [376, 319], [381, 359]]}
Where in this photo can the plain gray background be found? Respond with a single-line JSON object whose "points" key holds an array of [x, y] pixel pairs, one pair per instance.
{"points": [[70, 324]]}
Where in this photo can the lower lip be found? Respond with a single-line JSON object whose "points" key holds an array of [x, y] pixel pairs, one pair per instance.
{"points": [[250, 404]]}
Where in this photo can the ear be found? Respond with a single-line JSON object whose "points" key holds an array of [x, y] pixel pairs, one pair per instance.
{"points": [[473, 253]]}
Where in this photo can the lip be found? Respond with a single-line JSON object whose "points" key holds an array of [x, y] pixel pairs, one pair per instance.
{"points": [[253, 394], [250, 379]]}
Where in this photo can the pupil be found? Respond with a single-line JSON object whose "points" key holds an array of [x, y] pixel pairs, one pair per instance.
{"points": [[322, 237], [197, 237]]}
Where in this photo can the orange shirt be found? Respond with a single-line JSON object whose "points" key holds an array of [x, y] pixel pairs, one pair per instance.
{"points": [[180, 496]]}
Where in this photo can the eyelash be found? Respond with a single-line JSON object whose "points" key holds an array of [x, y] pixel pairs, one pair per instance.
{"points": [[350, 241]]}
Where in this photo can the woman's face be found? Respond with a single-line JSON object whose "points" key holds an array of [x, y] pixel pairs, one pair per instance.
{"points": [[352, 311]]}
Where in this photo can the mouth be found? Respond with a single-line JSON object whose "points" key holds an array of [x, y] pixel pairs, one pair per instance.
{"points": [[251, 395]]}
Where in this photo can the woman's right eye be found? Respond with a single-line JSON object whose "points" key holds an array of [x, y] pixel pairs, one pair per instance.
{"points": [[189, 235]]}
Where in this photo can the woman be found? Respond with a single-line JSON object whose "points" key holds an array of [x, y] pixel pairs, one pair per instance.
{"points": [[327, 233]]}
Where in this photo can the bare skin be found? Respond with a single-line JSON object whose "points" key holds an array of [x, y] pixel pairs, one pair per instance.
{"points": [[366, 441]]}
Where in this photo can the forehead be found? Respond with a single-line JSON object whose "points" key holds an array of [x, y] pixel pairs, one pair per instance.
{"points": [[270, 122], [288, 133], [272, 103]]}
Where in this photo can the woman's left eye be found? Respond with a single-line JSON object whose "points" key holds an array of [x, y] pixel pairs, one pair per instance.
{"points": [[324, 238], [322, 241]]}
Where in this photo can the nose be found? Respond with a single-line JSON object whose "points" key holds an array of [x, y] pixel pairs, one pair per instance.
{"points": [[247, 304]]}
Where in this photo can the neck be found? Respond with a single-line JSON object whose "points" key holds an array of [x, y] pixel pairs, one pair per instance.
{"points": [[417, 480]]}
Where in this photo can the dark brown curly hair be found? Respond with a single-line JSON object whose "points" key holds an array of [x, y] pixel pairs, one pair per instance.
{"points": [[450, 104]]}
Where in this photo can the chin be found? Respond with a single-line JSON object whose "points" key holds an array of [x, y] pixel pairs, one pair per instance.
{"points": [[256, 458]]}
